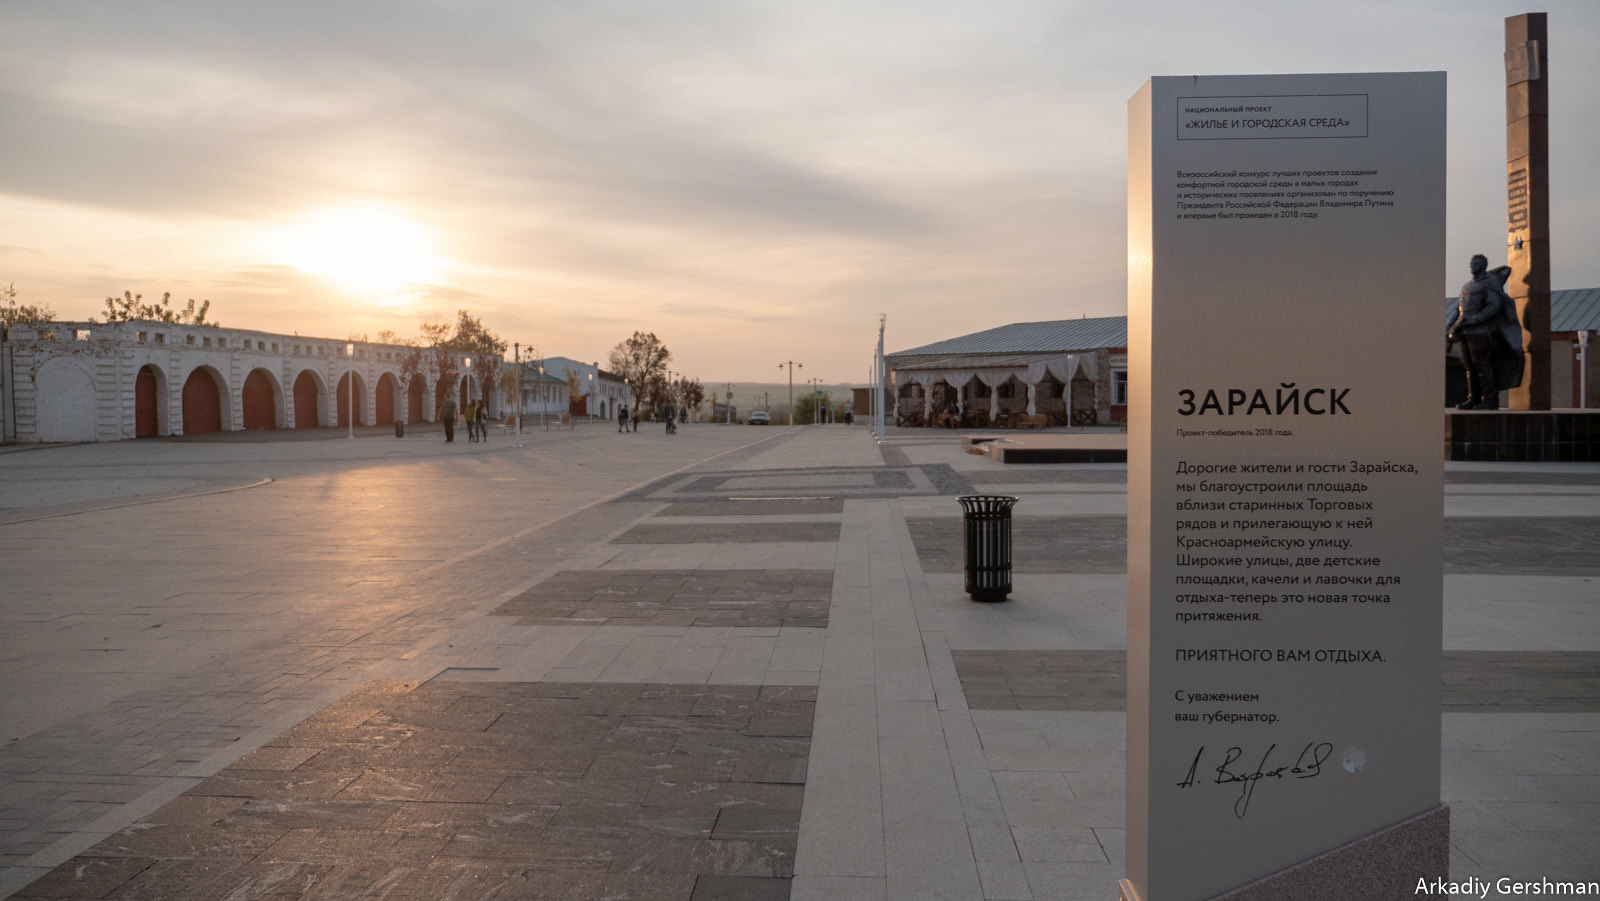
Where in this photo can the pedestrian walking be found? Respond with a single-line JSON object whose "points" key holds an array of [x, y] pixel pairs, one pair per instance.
{"points": [[622, 418], [483, 422], [472, 421], [447, 415], [672, 425]]}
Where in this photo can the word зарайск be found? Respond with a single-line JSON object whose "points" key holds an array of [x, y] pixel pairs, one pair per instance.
{"points": [[1289, 401]]}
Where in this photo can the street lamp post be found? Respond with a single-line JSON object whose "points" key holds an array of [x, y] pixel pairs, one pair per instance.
{"points": [[350, 376], [791, 364], [466, 363], [590, 403], [516, 350], [544, 399], [729, 410]]}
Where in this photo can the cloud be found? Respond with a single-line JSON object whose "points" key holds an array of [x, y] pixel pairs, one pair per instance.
{"points": [[705, 164]]}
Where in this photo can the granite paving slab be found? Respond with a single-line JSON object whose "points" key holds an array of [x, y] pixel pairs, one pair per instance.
{"points": [[1519, 477], [1040, 544], [728, 533], [753, 507], [707, 807], [658, 597], [1023, 475], [810, 483], [1552, 546], [1521, 682], [1016, 475], [1473, 681], [1485, 545]]}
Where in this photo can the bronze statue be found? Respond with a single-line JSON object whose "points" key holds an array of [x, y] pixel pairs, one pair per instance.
{"points": [[1485, 322]]}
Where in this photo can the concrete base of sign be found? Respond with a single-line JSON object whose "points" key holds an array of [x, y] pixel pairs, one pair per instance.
{"points": [[1385, 864], [1537, 436]]}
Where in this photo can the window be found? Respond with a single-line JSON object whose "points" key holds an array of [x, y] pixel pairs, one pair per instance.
{"points": [[189, 339], [274, 347], [82, 334], [160, 338], [141, 337], [1119, 386], [205, 341], [222, 342]]}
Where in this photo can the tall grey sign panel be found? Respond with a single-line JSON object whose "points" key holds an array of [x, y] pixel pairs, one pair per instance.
{"points": [[1285, 478]]}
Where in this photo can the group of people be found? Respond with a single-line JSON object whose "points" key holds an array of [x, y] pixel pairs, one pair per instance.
{"points": [[673, 417], [477, 416]]}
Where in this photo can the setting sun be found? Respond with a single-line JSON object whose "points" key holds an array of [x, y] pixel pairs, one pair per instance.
{"points": [[363, 249]]}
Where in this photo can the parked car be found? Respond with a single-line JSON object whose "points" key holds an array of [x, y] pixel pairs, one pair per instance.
{"points": [[759, 417]]}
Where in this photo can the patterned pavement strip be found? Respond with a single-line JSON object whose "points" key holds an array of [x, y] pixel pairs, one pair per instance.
{"points": [[1473, 681], [905, 753], [81, 775], [440, 790], [738, 598], [1506, 545]]}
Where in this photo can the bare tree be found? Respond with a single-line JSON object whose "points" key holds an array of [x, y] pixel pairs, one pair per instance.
{"points": [[12, 312]]}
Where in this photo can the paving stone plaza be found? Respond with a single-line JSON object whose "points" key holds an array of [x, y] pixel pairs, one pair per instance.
{"points": [[733, 663]]}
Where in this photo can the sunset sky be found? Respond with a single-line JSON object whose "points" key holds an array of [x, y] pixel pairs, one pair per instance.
{"points": [[752, 181]]}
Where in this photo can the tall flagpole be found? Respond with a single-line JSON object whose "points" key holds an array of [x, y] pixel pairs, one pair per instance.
{"points": [[877, 389]]}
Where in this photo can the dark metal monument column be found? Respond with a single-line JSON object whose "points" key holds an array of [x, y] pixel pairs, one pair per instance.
{"points": [[1528, 201]]}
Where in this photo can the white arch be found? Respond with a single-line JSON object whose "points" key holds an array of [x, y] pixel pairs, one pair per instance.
{"points": [[64, 401]]}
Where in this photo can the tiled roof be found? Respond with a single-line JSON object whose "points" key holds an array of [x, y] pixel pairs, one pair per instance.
{"points": [[1034, 337], [1571, 309], [1575, 310]]}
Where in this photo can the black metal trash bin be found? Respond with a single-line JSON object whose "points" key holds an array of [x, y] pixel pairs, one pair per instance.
{"points": [[987, 530], [399, 428]]}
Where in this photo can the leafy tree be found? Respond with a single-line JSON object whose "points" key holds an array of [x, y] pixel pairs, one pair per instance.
{"points": [[805, 409], [508, 387], [574, 388], [642, 360], [470, 336], [435, 332], [12, 312], [131, 306], [445, 343], [691, 392]]}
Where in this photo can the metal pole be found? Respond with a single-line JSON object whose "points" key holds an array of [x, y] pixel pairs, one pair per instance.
{"points": [[882, 376], [517, 350], [791, 364], [350, 375], [1583, 370]]}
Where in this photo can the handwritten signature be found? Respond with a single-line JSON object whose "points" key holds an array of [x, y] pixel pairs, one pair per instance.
{"points": [[1307, 765]]}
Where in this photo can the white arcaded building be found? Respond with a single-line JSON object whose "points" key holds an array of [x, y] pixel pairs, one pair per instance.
{"points": [[88, 381]]}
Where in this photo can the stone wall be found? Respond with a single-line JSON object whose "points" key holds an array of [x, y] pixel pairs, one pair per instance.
{"points": [[80, 381]]}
